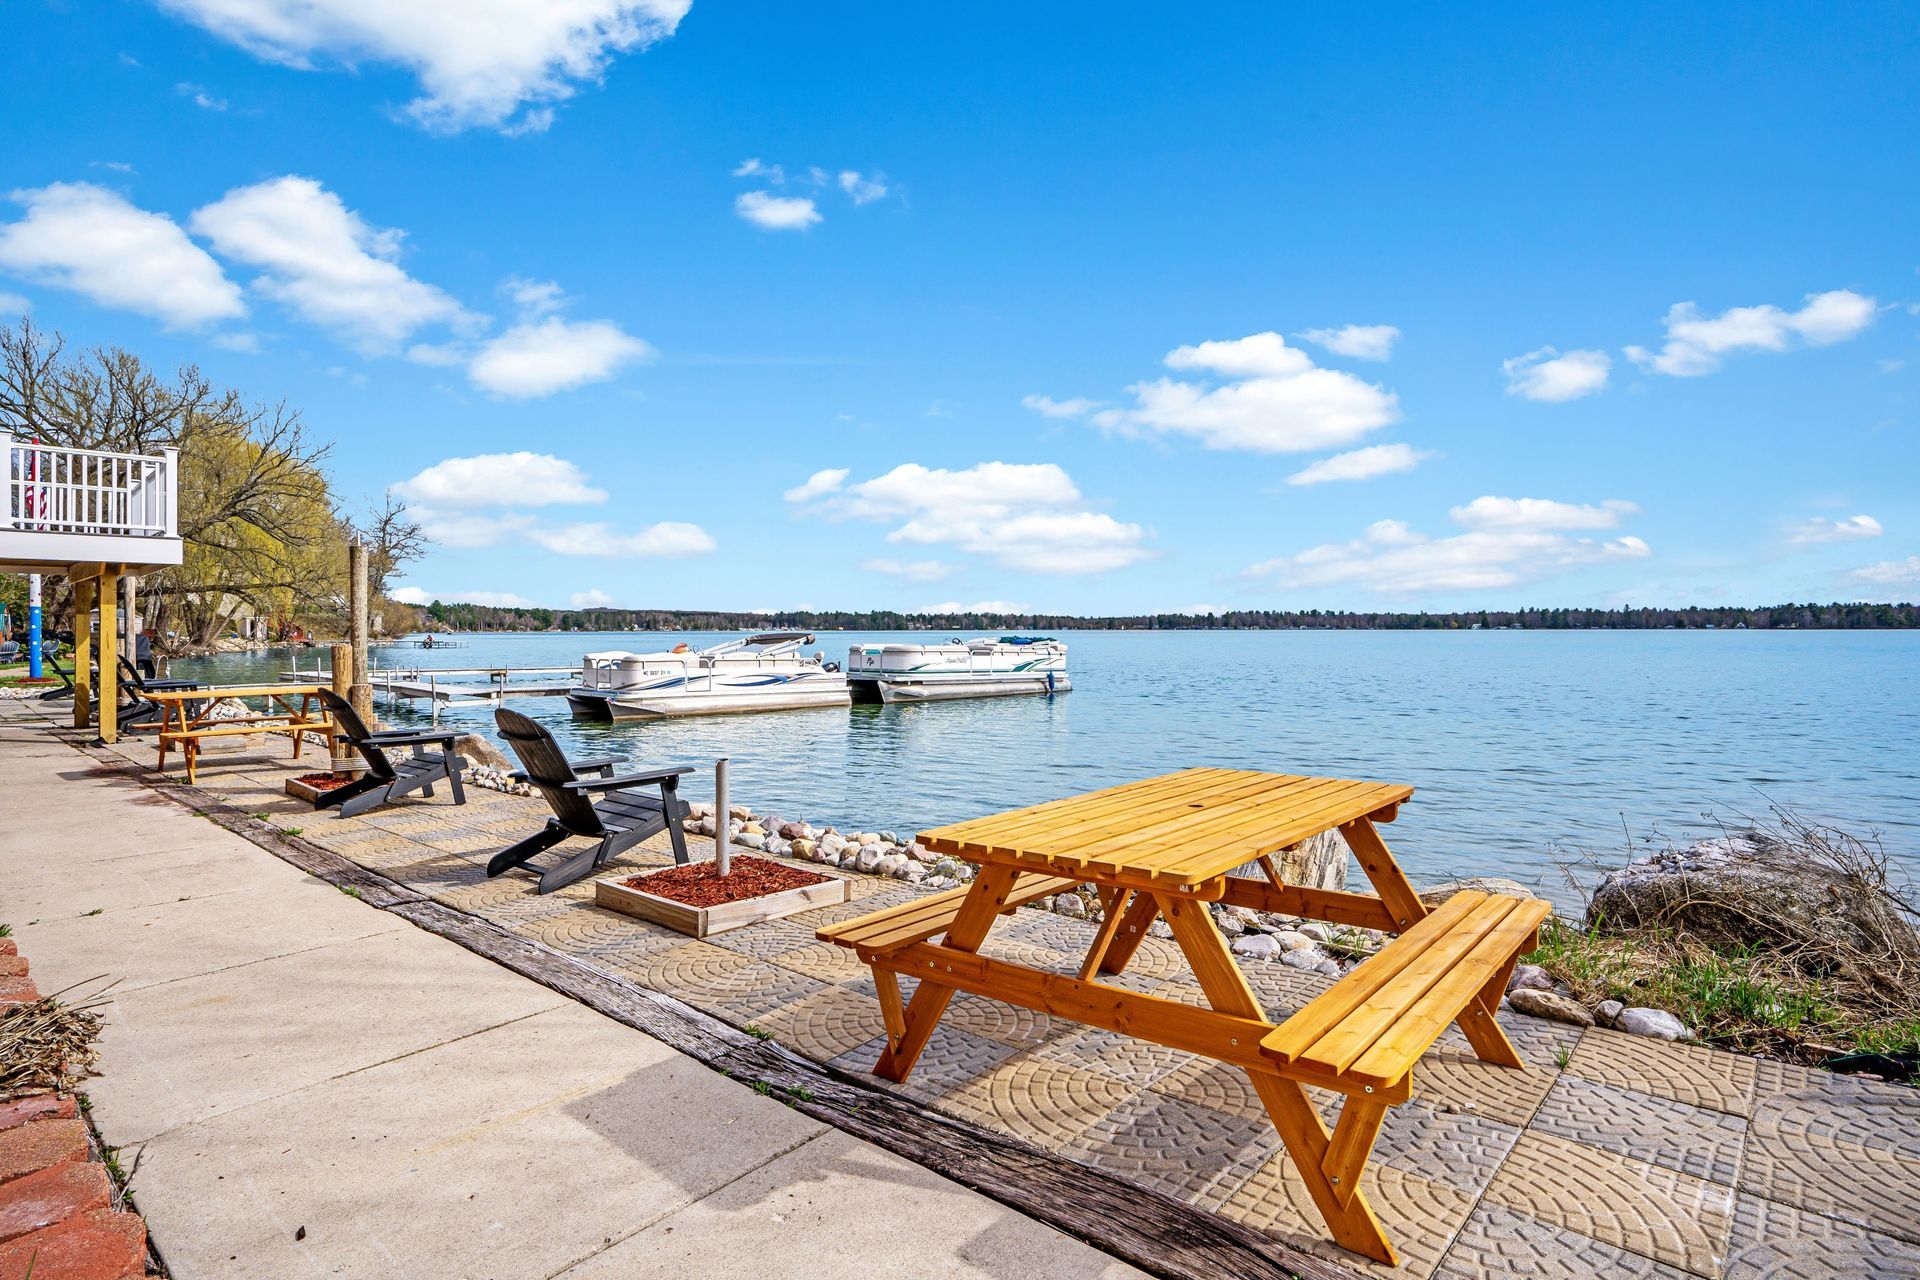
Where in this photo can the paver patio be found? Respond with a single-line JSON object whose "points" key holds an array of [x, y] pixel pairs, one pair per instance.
{"points": [[1611, 1155]]}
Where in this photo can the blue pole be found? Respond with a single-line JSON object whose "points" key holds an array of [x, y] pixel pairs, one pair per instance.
{"points": [[33, 626]]}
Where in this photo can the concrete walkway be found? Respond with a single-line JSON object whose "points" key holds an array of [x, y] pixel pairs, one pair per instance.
{"points": [[280, 1056]]}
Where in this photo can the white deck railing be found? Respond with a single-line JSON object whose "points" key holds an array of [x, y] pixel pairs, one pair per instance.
{"points": [[54, 490]]}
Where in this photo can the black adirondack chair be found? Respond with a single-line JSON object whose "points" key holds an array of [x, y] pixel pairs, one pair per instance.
{"points": [[141, 709], [389, 777], [621, 820]]}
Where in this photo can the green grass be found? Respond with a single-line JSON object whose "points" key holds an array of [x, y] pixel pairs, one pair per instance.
{"points": [[6, 931], [96, 911], [352, 891], [1561, 1057], [291, 831], [762, 1088], [757, 1032], [800, 1093], [1737, 997]]}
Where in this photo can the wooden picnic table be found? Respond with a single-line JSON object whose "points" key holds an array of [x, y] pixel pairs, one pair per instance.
{"points": [[186, 717], [1163, 847]]}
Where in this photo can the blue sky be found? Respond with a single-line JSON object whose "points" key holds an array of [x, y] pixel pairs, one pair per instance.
{"points": [[1077, 308]]}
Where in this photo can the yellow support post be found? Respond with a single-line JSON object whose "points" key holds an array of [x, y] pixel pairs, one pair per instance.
{"points": [[109, 655], [82, 650]]}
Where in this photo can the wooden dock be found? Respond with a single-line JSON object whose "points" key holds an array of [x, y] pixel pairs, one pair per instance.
{"points": [[455, 686]]}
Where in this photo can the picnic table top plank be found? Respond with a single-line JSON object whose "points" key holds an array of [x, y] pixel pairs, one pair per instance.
{"points": [[239, 691], [1176, 830]]}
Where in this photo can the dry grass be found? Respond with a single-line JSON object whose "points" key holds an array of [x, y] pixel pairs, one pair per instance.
{"points": [[1840, 976], [48, 1044]]}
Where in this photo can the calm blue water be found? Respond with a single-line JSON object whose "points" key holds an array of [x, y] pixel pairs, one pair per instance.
{"points": [[1522, 745]]}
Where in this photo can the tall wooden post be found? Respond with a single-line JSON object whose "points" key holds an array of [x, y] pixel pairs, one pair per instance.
{"points": [[130, 618], [345, 758], [83, 591], [362, 692], [109, 654]]}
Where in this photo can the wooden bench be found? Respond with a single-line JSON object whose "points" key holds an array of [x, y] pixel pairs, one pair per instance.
{"points": [[188, 740], [892, 928], [1363, 1035]]}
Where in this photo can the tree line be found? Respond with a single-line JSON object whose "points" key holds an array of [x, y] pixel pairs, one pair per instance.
{"points": [[1835, 616], [263, 530]]}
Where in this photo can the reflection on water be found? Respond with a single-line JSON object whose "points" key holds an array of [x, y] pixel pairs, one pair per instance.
{"points": [[1520, 744]]}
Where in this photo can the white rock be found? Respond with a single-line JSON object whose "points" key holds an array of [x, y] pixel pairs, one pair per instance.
{"points": [[1302, 959], [1230, 926], [867, 860], [739, 811], [1548, 1004], [1530, 977], [1656, 1023], [890, 837], [1159, 929], [1293, 940], [1608, 1012], [892, 864], [920, 853], [1261, 945], [1317, 931], [913, 873], [1330, 967], [751, 840], [1069, 905], [943, 882]]}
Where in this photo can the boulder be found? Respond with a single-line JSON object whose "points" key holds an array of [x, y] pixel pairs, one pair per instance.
{"points": [[891, 864], [867, 860], [1439, 893], [752, 829], [1530, 977], [1545, 1004], [1656, 1023], [739, 811], [795, 831], [1756, 889], [1070, 905], [479, 750], [890, 837], [920, 853], [1608, 1012], [1292, 939], [751, 840], [1258, 945], [1316, 931]]}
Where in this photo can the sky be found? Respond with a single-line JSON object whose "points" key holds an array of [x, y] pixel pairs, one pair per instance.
{"points": [[1064, 308]]}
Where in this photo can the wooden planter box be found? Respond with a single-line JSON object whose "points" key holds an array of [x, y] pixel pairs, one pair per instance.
{"points": [[701, 922]]}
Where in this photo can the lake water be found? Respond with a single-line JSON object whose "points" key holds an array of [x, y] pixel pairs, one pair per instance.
{"points": [[1523, 746]]}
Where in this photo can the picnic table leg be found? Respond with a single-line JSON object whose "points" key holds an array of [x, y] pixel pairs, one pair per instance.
{"points": [[1344, 1206], [1113, 903], [1132, 932], [984, 903]]}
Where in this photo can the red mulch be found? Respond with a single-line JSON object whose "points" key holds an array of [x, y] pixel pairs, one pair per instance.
{"points": [[322, 781], [697, 886]]}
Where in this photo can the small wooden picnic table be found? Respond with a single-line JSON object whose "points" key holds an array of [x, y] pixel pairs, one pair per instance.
{"points": [[186, 717], [1163, 847]]}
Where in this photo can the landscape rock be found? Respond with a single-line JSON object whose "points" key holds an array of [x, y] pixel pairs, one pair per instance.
{"points": [[1261, 946], [1530, 977], [803, 848], [1329, 967], [891, 864], [794, 830], [913, 872], [1292, 940], [752, 829], [479, 750], [1656, 1023], [1737, 890], [1545, 1004], [739, 811], [1316, 931], [890, 837], [1608, 1012], [867, 860], [1070, 905], [751, 840], [920, 853], [1302, 959], [1439, 893]]}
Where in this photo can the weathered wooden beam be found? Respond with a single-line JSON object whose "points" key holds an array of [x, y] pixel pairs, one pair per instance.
{"points": [[1146, 1228]]}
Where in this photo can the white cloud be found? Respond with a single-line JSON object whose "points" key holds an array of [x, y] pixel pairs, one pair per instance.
{"points": [[538, 357], [12, 304], [1361, 464], [593, 598], [1539, 514], [322, 259], [1819, 530], [665, 540], [753, 168], [776, 213], [978, 606], [863, 188], [1048, 407], [818, 485], [480, 62], [1888, 573], [1548, 375], [522, 479], [200, 97], [1360, 341], [245, 343], [467, 531], [495, 599], [438, 354], [1697, 344], [911, 570], [1393, 559], [89, 240], [1275, 400], [1023, 516], [534, 297]]}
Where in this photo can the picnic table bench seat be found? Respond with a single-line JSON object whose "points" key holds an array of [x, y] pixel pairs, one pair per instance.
{"points": [[1366, 1031], [894, 927]]}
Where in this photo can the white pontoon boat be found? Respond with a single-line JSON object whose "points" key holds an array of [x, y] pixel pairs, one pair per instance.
{"points": [[987, 667], [765, 672]]}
